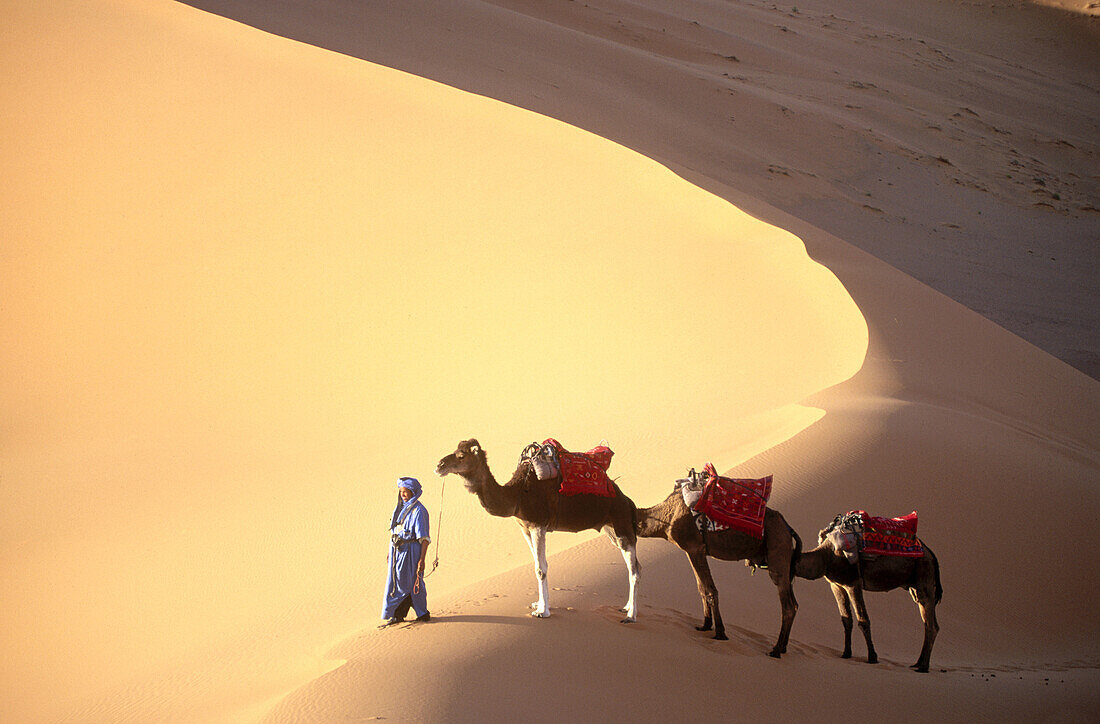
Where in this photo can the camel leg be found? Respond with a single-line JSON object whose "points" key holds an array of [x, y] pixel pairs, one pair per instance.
{"points": [[704, 596], [845, 607], [708, 592], [633, 569], [789, 605], [540, 607], [927, 605], [527, 537], [538, 541], [864, 621]]}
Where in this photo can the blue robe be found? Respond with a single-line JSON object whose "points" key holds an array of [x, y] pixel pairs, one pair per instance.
{"points": [[410, 525]]}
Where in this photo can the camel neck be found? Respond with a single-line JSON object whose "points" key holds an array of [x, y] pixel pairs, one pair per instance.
{"points": [[654, 522], [497, 500], [814, 564]]}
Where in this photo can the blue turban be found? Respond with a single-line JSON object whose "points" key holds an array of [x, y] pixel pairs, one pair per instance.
{"points": [[404, 506]]}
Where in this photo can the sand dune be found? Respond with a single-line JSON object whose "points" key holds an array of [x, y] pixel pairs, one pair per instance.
{"points": [[249, 282], [955, 140], [253, 282]]}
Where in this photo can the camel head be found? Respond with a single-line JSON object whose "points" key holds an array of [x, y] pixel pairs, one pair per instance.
{"points": [[467, 460]]}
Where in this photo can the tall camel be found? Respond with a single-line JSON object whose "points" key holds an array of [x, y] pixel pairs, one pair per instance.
{"points": [[540, 508], [850, 574], [779, 549]]}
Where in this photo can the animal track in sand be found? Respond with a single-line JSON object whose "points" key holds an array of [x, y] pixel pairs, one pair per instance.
{"points": [[1034, 668]]}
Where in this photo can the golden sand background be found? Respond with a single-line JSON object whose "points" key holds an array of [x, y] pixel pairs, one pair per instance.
{"points": [[249, 282]]}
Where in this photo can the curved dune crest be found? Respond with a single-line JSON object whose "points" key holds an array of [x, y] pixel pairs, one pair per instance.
{"points": [[248, 283]]}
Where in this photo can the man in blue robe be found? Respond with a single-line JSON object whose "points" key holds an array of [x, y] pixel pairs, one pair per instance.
{"points": [[408, 548]]}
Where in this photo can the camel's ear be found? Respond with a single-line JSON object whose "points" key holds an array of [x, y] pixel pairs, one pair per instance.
{"points": [[475, 447]]}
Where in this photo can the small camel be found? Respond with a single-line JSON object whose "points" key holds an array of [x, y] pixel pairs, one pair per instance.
{"points": [[850, 574], [778, 551], [540, 508]]}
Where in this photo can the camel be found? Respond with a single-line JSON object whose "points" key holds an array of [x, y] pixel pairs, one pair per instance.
{"points": [[850, 574], [777, 551], [540, 508]]}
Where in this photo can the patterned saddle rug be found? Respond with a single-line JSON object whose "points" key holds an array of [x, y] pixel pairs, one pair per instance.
{"points": [[584, 473], [882, 536], [738, 503]]}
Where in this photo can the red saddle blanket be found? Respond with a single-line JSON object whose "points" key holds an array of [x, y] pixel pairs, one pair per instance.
{"points": [[736, 502], [584, 473], [890, 536]]}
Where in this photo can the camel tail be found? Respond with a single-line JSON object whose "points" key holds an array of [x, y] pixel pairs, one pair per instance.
{"points": [[633, 515], [633, 508], [797, 553], [936, 569]]}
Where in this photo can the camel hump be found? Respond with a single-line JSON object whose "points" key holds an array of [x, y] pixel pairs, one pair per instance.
{"points": [[544, 460], [738, 503], [881, 536], [580, 473], [892, 536]]}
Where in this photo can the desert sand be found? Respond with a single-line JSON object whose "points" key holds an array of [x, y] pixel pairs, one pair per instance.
{"points": [[250, 281]]}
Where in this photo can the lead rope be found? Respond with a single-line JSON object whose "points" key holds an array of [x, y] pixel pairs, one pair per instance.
{"points": [[439, 530]]}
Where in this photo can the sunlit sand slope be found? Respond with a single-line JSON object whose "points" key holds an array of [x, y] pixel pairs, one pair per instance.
{"points": [[248, 283], [994, 442], [991, 440]]}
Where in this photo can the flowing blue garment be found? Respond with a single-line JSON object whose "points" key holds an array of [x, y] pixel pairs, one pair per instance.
{"points": [[408, 528]]}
